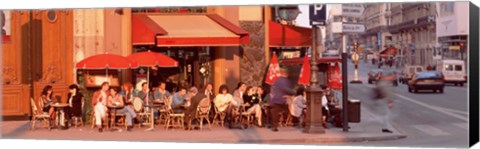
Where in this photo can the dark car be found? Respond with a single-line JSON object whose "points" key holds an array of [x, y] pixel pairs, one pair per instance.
{"points": [[376, 74], [429, 80]]}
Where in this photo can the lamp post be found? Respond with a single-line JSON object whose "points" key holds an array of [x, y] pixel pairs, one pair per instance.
{"points": [[314, 114], [288, 14]]}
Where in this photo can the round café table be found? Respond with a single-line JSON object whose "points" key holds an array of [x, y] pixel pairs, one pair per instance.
{"points": [[58, 110], [152, 108], [114, 108]]}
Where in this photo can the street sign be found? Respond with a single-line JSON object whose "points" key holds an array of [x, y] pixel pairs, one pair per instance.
{"points": [[318, 14], [340, 27], [347, 10], [353, 10]]}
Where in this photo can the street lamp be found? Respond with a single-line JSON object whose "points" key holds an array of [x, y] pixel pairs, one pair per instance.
{"points": [[287, 14]]}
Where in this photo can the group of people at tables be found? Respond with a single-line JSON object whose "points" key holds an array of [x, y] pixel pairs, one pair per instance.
{"points": [[266, 107]]}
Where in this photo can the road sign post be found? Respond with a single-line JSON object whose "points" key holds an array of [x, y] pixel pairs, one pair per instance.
{"points": [[314, 93]]}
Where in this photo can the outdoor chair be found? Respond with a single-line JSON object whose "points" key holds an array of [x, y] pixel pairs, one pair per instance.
{"points": [[173, 119], [202, 113], [141, 111], [122, 121], [77, 121], [220, 115], [246, 118], [38, 115], [93, 120]]}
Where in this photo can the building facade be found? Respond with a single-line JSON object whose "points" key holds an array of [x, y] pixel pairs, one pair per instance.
{"points": [[452, 29], [43, 47], [408, 27]]}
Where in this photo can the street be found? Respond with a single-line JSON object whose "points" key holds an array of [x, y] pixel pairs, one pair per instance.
{"points": [[428, 119]]}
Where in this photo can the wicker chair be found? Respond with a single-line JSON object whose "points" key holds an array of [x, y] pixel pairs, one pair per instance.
{"points": [[203, 111], [141, 112], [220, 115], [38, 115], [173, 119]]}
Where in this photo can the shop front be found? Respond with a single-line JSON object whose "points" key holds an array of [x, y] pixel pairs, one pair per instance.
{"points": [[194, 40]]}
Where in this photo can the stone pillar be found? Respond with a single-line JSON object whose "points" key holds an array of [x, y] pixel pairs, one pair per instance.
{"points": [[126, 40], [314, 121]]}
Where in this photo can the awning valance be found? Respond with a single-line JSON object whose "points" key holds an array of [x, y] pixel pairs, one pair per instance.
{"points": [[289, 36], [298, 61], [186, 30]]}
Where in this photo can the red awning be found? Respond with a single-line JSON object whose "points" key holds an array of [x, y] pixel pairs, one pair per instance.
{"points": [[289, 36], [298, 61], [144, 30], [391, 51], [186, 30]]}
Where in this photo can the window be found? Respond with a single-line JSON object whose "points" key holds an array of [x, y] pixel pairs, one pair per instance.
{"points": [[447, 8], [449, 67], [458, 67], [5, 21]]}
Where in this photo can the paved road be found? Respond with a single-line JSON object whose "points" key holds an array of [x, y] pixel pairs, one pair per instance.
{"points": [[428, 119]]}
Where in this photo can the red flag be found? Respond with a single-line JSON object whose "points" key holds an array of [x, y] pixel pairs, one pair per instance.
{"points": [[273, 69], [334, 77], [305, 72]]}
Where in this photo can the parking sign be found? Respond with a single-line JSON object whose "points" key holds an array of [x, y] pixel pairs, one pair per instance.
{"points": [[318, 14]]}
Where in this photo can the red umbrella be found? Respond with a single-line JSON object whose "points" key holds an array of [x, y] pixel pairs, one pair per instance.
{"points": [[106, 61], [305, 72], [272, 74], [150, 59]]}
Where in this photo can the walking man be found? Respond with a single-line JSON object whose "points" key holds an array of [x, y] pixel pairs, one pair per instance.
{"points": [[281, 90], [384, 86]]}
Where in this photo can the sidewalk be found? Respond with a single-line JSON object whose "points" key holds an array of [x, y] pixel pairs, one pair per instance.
{"points": [[368, 130]]}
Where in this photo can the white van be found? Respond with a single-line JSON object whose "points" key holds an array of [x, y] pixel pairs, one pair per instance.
{"points": [[453, 71]]}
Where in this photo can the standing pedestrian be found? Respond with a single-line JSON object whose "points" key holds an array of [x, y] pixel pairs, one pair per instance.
{"points": [[281, 90], [385, 101]]}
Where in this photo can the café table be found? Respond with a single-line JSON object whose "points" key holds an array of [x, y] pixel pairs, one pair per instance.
{"points": [[114, 108], [152, 108], [58, 107]]}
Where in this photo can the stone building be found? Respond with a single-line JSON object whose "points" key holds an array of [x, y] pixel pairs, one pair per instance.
{"points": [[453, 29], [408, 27]]}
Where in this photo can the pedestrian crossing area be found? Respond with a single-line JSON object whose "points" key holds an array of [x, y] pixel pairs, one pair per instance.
{"points": [[442, 129]]}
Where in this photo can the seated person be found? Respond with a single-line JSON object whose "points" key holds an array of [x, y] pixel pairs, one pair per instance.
{"points": [[47, 100], [145, 94], [325, 109], [180, 100], [252, 105], [298, 105], [116, 99], [128, 93], [75, 102], [161, 93], [99, 103], [224, 101]]}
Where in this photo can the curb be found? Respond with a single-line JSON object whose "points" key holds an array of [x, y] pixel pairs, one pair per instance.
{"points": [[327, 139]]}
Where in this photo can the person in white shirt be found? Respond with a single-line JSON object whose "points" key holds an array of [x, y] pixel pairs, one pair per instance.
{"points": [[99, 102], [325, 109], [224, 101], [298, 105]]}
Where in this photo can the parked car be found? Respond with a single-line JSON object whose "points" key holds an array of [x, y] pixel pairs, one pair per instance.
{"points": [[376, 74], [408, 72], [453, 70], [427, 80]]}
